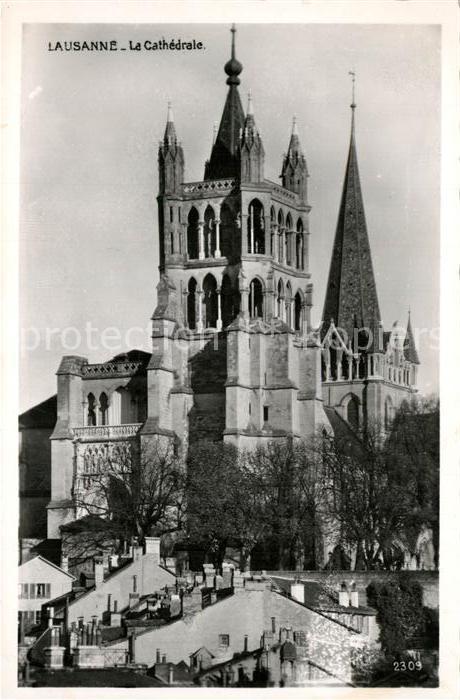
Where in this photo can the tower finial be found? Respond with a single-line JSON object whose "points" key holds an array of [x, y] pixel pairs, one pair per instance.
{"points": [[250, 109], [233, 31], [233, 67], [353, 79]]}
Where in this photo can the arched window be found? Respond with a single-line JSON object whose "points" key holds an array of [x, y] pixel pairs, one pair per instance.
{"points": [[191, 304], [209, 233], [288, 239], [289, 305], [353, 412], [91, 418], [256, 299], [192, 234], [103, 408], [227, 301], [298, 312], [299, 246], [210, 302], [256, 227], [227, 231], [280, 235], [280, 299], [272, 250]]}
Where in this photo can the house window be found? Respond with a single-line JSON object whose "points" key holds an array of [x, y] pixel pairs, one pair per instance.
{"points": [[38, 615], [43, 590], [249, 409], [265, 414], [171, 214], [224, 640], [23, 590]]}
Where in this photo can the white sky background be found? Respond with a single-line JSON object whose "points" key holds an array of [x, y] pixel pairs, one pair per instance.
{"points": [[91, 126]]}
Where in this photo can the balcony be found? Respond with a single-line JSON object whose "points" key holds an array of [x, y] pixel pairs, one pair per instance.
{"points": [[209, 186], [106, 432]]}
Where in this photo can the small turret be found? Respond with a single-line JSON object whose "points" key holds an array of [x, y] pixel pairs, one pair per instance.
{"points": [[170, 158], [294, 173], [252, 152]]}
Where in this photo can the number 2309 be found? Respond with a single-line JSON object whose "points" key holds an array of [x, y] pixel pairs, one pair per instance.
{"points": [[407, 665]]}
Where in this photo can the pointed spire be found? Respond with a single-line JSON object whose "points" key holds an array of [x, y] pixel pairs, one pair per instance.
{"points": [[170, 136], [294, 172], [252, 152], [250, 109], [351, 295], [224, 161], [410, 350]]}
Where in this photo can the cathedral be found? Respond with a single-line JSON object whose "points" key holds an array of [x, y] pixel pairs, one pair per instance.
{"points": [[234, 354]]}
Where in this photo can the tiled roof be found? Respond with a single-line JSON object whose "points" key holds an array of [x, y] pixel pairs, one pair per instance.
{"points": [[351, 296]]}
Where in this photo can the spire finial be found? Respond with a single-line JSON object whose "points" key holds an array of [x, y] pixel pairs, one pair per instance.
{"points": [[233, 67], [250, 109], [353, 79], [214, 133], [294, 125], [170, 117], [233, 31]]}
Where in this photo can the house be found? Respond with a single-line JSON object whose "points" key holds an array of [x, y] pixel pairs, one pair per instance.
{"points": [[39, 582]]}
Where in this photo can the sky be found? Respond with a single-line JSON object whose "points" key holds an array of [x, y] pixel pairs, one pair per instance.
{"points": [[91, 123]]}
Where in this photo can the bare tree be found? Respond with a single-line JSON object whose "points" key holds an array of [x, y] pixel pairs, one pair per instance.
{"points": [[376, 490], [127, 490]]}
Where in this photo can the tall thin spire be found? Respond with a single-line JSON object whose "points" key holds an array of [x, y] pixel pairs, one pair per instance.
{"points": [[224, 161], [170, 136], [294, 171], [410, 349], [351, 294]]}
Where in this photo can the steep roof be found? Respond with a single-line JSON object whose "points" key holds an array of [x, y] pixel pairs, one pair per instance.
{"points": [[225, 161], [410, 350], [351, 296]]}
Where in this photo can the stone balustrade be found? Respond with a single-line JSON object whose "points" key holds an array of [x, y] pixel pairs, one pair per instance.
{"points": [[91, 432]]}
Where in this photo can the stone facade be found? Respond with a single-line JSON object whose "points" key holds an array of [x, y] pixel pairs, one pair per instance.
{"points": [[234, 356]]}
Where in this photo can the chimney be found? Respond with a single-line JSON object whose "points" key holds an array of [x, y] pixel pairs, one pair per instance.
{"points": [[152, 547], [344, 598], [298, 591], [136, 551], [163, 660], [354, 596], [245, 642], [209, 574], [273, 625], [98, 571], [170, 674], [65, 564], [158, 656]]}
